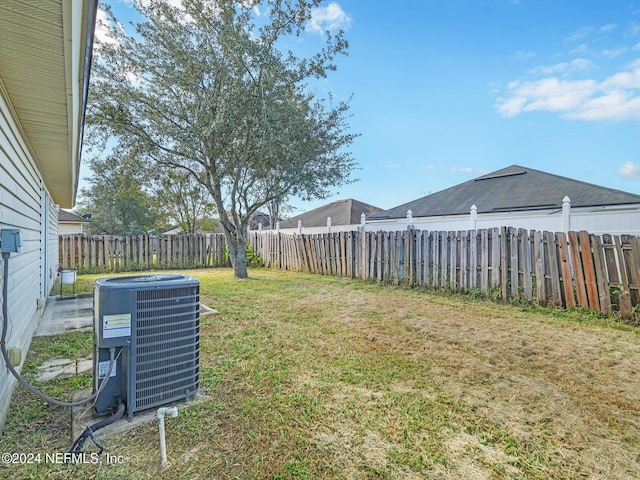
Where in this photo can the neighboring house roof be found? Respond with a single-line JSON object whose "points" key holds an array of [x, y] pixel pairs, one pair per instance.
{"points": [[44, 74], [68, 217], [514, 188], [258, 217], [342, 212]]}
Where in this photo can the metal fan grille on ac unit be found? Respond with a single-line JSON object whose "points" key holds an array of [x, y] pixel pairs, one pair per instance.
{"points": [[165, 345]]}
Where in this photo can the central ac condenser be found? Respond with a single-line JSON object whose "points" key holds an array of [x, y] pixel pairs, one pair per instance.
{"points": [[147, 338]]}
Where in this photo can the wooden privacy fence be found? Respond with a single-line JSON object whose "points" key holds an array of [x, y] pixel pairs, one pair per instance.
{"points": [[574, 269], [110, 253]]}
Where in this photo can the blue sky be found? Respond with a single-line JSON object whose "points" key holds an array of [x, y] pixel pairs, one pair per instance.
{"points": [[447, 90]]}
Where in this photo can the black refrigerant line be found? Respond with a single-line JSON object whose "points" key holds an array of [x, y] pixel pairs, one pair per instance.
{"points": [[5, 355], [76, 447], [88, 433]]}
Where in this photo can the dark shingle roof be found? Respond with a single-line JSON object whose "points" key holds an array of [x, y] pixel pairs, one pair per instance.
{"points": [[510, 189], [64, 216], [342, 212]]}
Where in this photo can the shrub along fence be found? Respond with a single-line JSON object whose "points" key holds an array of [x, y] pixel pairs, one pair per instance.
{"points": [[574, 269]]}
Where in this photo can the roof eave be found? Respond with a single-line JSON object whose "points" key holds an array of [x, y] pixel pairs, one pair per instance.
{"points": [[44, 77]]}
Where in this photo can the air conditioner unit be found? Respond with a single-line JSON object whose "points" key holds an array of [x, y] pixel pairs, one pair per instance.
{"points": [[150, 326]]}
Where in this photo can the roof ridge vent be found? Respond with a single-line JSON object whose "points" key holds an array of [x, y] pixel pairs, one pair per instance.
{"points": [[501, 175]]}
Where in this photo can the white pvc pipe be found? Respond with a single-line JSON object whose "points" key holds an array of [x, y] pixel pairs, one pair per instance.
{"points": [[172, 412]]}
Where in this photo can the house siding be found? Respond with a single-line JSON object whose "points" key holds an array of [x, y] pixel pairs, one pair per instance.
{"points": [[21, 193], [70, 228], [614, 220], [611, 220], [52, 257], [315, 230]]}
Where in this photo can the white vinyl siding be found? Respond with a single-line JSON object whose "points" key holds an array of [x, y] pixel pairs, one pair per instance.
{"points": [[65, 228], [20, 207], [622, 220], [52, 257]]}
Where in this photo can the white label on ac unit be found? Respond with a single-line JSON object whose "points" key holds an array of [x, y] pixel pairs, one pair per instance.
{"points": [[104, 366], [118, 325]]}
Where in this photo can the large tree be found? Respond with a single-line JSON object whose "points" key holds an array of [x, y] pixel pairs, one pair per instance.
{"points": [[184, 201], [207, 89], [118, 196]]}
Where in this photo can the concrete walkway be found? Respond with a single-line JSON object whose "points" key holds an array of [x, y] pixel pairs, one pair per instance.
{"points": [[75, 314], [67, 314]]}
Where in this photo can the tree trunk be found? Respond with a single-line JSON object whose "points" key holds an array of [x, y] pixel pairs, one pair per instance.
{"points": [[238, 254], [240, 264]]}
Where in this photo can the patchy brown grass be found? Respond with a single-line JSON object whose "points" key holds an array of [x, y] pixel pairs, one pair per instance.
{"points": [[564, 390], [311, 377]]}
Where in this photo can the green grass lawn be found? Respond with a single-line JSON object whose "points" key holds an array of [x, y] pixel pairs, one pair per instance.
{"points": [[311, 377]]}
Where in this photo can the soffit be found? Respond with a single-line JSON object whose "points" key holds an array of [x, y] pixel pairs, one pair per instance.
{"points": [[36, 76]]}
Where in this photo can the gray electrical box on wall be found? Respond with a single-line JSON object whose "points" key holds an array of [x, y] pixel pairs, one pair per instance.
{"points": [[10, 240]]}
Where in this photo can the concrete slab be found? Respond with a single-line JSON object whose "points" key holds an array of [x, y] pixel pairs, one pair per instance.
{"points": [[83, 416], [75, 314], [63, 368], [66, 315], [204, 310]]}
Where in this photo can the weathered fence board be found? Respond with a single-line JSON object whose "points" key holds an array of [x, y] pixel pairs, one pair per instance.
{"points": [[578, 272], [565, 269], [553, 274], [602, 281], [525, 263], [538, 259], [631, 250], [484, 260], [552, 268], [107, 253], [589, 271], [602, 273]]}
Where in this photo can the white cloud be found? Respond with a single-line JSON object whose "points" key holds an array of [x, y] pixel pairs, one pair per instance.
{"points": [[102, 31], [575, 65], [623, 80], [521, 55], [479, 171], [548, 94], [146, 3], [453, 169], [579, 50], [616, 98], [579, 34], [510, 107], [330, 18], [616, 105], [558, 96], [613, 53], [588, 31], [629, 170]]}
